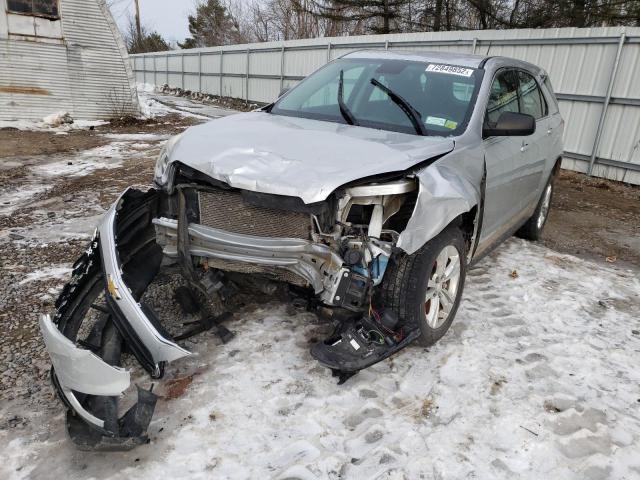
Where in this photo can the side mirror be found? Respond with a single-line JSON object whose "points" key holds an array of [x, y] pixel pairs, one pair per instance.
{"points": [[511, 124], [283, 91]]}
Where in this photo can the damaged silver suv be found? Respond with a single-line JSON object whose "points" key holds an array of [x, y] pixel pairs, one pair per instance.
{"points": [[367, 189]]}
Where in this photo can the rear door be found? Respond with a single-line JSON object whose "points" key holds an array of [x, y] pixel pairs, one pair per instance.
{"points": [[502, 159], [531, 164]]}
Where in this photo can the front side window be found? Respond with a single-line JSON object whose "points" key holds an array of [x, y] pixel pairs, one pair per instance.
{"points": [[40, 8], [531, 100], [503, 96], [442, 96]]}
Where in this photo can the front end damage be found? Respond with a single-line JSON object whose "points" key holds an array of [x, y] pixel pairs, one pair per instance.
{"points": [[333, 253]]}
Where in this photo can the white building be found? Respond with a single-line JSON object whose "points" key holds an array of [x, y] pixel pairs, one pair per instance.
{"points": [[63, 55]]}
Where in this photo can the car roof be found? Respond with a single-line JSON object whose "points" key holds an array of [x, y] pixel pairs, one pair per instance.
{"points": [[452, 58]]}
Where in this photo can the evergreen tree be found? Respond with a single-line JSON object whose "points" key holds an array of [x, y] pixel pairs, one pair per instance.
{"points": [[210, 26]]}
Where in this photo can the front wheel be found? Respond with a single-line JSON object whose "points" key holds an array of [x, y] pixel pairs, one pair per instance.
{"points": [[425, 288]]}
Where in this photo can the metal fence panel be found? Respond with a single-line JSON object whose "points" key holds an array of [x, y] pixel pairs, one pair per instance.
{"points": [[594, 71]]}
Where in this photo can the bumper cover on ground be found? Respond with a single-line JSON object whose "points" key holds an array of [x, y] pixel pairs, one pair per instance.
{"points": [[86, 383]]}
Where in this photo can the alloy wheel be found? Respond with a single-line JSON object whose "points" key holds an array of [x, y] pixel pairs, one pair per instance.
{"points": [[442, 287]]}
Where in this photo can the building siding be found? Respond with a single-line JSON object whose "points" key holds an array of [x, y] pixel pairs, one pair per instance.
{"points": [[86, 72]]}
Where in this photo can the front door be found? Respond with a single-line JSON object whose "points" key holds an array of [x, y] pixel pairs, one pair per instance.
{"points": [[503, 160]]}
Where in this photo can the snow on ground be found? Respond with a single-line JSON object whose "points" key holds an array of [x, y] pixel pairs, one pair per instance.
{"points": [[43, 173], [61, 271], [153, 104], [536, 379], [46, 125]]}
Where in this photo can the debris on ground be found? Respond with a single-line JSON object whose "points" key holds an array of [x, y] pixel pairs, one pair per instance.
{"points": [[225, 102], [56, 119]]}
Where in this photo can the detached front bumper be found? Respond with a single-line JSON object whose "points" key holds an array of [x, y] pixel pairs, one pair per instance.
{"points": [[86, 383]]}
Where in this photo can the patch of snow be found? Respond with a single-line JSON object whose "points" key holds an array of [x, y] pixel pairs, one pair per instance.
{"points": [[11, 199], [40, 126], [534, 380], [146, 87], [151, 108], [134, 137], [47, 273], [104, 157], [60, 229]]}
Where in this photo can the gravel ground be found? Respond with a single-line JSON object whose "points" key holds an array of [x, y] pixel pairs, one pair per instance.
{"points": [[50, 200]]}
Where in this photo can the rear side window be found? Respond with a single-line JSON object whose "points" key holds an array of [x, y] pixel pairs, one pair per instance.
{"points": [[531, 99], [554, 99], [503, 96], [39, 8]]}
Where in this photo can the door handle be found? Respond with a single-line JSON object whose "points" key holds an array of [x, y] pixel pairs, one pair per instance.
{"points": [[524, 147], [549, 130]]}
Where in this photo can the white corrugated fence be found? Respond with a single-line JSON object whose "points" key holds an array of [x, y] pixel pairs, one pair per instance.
{"points": [[595, 73]]}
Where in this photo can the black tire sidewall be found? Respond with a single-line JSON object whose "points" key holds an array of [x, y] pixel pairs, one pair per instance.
{"points": [[530, 230], [420, 274]]}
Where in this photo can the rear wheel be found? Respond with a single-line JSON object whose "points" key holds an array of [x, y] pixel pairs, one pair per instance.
{"points": [[532, 230], [425, 288]]}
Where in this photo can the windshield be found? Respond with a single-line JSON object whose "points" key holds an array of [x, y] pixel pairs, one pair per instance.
{"points": [[442, 95]]}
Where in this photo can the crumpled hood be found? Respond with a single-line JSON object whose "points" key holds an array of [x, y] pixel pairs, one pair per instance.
{"points": [[298, 157]]}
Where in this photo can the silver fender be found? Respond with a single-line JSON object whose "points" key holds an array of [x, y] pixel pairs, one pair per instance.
{"points": [[443, 195]]}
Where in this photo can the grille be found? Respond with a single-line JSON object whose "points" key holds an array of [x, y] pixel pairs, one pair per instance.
{"points": [[227, 211]]}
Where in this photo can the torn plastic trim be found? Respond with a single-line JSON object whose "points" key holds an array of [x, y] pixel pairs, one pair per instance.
{"points": [[79, 370], [314, 262], [121, 298]]}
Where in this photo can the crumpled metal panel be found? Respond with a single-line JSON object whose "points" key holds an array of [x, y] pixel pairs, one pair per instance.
{"points": [[298, 157], [443, 195]]}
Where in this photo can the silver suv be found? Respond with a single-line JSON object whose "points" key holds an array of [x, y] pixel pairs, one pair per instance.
{"points": [[368, 189]]}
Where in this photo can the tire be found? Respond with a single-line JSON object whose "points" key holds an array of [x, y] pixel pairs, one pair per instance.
{"points": [[532, 229], [407, 282]]}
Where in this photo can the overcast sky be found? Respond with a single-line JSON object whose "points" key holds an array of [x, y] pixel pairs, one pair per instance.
{"points": [[167, 17]]}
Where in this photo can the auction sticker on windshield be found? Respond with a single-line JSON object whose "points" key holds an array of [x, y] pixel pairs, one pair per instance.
{"points": [[450, 69]]}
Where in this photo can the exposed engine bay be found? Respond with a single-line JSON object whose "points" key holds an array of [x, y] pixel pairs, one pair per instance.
{"points": [[332, 254]]}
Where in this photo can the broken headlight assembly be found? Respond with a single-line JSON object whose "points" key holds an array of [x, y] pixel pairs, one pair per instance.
{"points": [[162, 172]]}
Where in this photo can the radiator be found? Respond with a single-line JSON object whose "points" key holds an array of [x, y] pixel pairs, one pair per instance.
{"points": [[227, 211]]}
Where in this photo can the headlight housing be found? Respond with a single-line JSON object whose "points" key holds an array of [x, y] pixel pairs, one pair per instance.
{"points": [[162, 171]]}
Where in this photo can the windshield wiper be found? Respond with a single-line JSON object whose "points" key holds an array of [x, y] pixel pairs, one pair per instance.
{"points": [[412, 113], [344, 110]]}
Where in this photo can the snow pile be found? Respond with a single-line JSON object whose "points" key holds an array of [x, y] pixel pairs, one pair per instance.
{"points": [[146, 87], [536, 379], [56, 119], [149, 107]]}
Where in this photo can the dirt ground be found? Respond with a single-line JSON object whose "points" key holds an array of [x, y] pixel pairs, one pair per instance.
{"points": [[20, 143], [595, 219]]}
